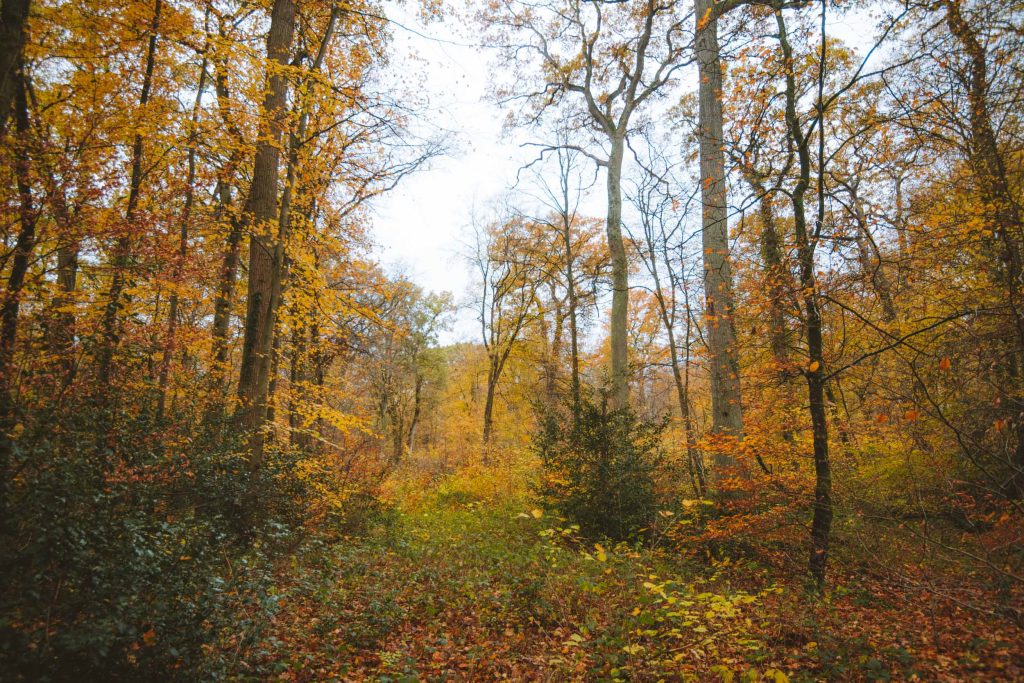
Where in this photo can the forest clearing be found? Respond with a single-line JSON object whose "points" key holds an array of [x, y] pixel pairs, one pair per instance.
{"points": [[525, 340], [466, 582]]}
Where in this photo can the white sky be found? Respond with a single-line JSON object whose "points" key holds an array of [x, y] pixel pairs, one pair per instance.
{"points": [[421, 225]]}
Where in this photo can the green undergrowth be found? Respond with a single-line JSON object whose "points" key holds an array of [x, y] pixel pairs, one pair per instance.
{"points": [[456, 588], [468, 579]]}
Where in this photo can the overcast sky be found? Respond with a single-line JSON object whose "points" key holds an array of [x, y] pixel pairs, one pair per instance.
{"points": [[420, 226]]}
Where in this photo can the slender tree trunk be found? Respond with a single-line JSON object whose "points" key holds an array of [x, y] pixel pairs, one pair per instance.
{"points": [[902, 236], [397, 435], [570, 289], [777, 279], [122, 253], [24, 244], [555, 352], [60, 329], [619, 397], [295, 142], [265, 252], [821, 524], [273, 375], [226, 286], [296, 377], [726, 404], [693, 453], [61, 337], [682, 388], [224, 300], [871, 261], [417, 398], [493, 373], [179, 265]]}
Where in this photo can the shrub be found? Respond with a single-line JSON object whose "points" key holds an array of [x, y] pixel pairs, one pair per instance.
{"points": [[599, 468], [122, 552]]}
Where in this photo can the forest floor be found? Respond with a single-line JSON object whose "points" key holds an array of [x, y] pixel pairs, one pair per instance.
{"points": [[455, 586]]}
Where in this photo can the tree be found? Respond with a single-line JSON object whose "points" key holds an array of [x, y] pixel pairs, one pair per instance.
{"points": [[990, 170], [598, 63], [727, 406], [265, 250], [806, 243], [572, 259], [662, 245], [121, 254], [13, 15], [406, 371], [506, 298]]}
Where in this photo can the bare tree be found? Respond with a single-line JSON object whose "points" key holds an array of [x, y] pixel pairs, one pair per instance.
{"points": [[598, 63], [662, 220], [567, 261]]}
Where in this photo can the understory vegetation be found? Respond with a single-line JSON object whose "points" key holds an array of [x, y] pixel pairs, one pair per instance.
{"points": [[733, 389], [466, 579]]}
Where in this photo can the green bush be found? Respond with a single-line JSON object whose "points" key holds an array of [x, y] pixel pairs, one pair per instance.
{"points": [[122, 552], [599, 468]]}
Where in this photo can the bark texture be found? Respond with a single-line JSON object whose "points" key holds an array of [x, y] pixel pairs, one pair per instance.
{"points": [[265, 248], [726, 403], [619, 397]]}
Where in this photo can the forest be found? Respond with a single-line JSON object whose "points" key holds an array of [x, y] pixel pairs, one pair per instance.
{"points": [[725, 382]]}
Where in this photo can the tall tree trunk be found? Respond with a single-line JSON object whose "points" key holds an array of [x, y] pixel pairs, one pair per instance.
{"points": [[902, 235], [13, 16], [297, 375], [619, 397], [570, 289], [821, 524], [682, 385], [226, 286], [554, 355], [121, 257], [60, 328], [23, 248], [871, 265], [694, 454], [990, 170], [265, 252], [726, 405], [295, 141], [231, 258]]}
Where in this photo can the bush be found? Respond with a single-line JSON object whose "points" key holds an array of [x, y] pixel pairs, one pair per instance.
{"points": [[599, 468], [122, 552]]}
